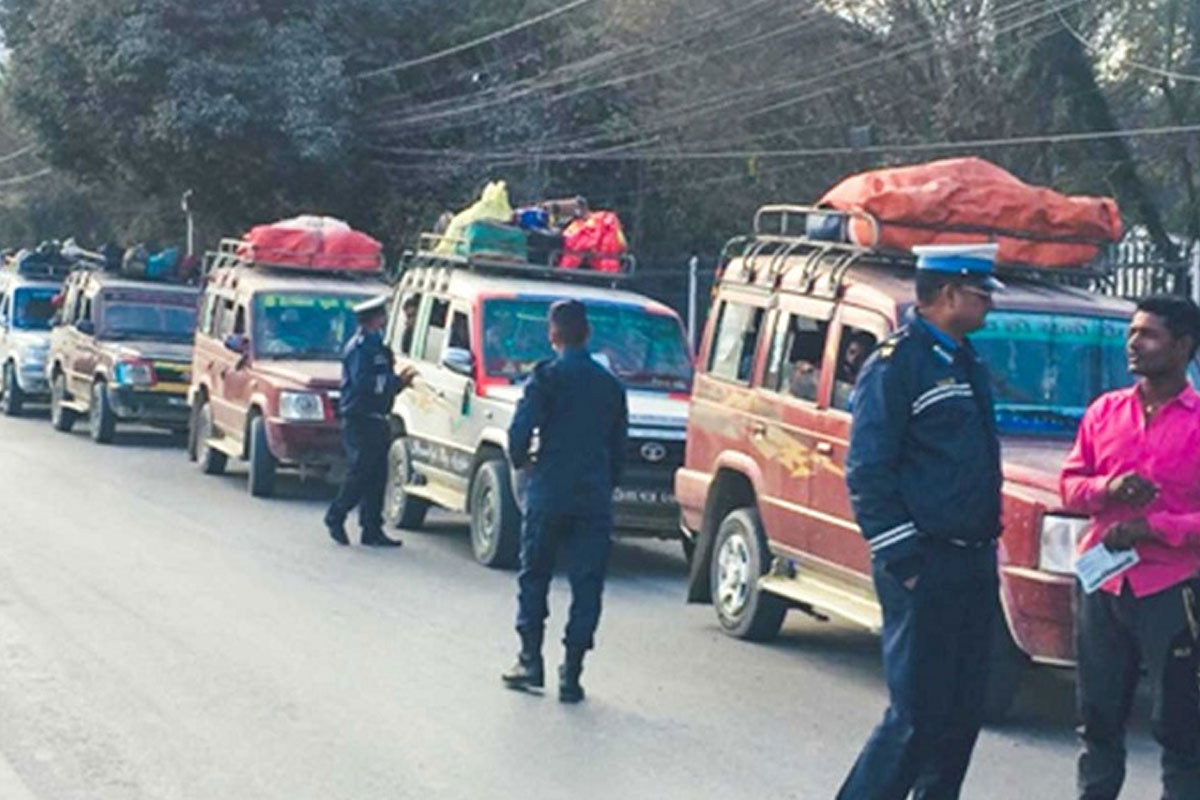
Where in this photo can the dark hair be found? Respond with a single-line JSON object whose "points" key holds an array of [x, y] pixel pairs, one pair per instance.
{"points": [[930, 283], [1180, 314], [411, 301], [569, 318]]}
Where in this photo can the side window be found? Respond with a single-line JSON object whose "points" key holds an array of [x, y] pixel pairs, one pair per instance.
{"points": [[224, 318], [4, 307], [435, 332], [406, 324], [76, 306], [86, 311], [797, 347], [853, 350], [735, 341], [460, 331], [208, 314], [239, 320]]}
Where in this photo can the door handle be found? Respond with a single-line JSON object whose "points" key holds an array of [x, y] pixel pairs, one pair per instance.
{"points": [[758, 430], [825, 448]]}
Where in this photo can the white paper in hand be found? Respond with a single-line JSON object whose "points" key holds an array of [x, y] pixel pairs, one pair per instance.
{"points": [[1099, 565]]}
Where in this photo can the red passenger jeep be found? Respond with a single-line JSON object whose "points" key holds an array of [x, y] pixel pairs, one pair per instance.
{"points": [[267, 365], [763, 489]]}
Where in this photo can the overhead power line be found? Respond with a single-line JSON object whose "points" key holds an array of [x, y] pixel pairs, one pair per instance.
{"points": [[491, 37], [19, 179], [1169, 74], [16, 154], [914, 147]]}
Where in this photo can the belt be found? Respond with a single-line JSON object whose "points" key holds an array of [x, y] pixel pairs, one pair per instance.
{"points": [[966, 545]]}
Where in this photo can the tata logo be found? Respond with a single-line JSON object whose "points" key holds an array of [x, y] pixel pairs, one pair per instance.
{"points": [[654, 452]]}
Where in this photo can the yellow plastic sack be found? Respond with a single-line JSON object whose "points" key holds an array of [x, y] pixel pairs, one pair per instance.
{"points": [[492, 205]]}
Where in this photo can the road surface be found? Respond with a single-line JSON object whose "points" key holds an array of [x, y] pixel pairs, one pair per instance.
{"points": [[164, 635]]}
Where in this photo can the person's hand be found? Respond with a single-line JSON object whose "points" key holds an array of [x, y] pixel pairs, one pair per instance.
{"points": [[407, 375], [1131, 489], [1127, 534]]}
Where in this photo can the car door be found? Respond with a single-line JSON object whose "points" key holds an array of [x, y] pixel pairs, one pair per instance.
{"points": [[226, 414], [835, 536], [84, 352], [6, 292], [436, 441], [790, 389], [236, 371]]}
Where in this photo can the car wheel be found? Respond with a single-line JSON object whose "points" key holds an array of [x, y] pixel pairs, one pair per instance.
{"points": [[210, 461], [740, 558], [402, 509], [262, 462], [1008, 669], [102, 422], [495, 518], [13, 399], [61, 418]]}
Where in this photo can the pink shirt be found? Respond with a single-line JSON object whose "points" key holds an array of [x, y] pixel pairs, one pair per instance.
{"points": [[1113, 439]]}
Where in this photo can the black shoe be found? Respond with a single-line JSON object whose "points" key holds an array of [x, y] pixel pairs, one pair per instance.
{"points": [[569, 689], [528, 673], [337, 531], [377, 539]]}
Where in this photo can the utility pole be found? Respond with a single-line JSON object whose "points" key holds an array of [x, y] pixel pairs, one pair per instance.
{"points": [[693, 290], [186, 206]]}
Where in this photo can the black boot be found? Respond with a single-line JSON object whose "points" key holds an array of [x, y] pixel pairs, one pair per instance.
{"points": [[528, 672], [376, 538], [569, 689], [337, 529]]}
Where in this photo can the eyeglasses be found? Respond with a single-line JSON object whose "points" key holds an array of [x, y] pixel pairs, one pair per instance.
{"points": [[982, 294]]}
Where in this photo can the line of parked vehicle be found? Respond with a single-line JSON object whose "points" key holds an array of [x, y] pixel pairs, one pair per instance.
{"points": [[246, 367]]}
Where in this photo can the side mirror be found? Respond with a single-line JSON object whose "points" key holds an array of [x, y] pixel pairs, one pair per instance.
{"points": [[86, 327], [459, 361], [237, 343]]}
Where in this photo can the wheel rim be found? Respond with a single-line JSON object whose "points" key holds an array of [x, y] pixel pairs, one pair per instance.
{"points": [[733, 575], [486, 516]]}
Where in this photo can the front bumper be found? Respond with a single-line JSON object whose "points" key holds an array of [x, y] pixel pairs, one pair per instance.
{"points": [[32, 380], [308, 444], [645, 512], [165, 409], [1040, 613]]}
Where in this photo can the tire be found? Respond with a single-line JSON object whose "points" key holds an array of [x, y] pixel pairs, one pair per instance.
{"points": [[62, 419], [262, 462], [740, 557], [1009, 666], [210, 461], [400, 508], [495, 518], [13, 400], [102, 422]]}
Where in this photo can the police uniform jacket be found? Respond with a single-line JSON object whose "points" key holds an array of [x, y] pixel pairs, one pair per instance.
{"points": [[369, 381], [924, 459], [579, 412]]}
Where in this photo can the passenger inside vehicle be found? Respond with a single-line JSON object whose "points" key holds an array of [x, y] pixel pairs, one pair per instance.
{"points": [[856, 347]]}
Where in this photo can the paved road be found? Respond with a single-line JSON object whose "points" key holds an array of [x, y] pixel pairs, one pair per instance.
{"points": [[164, 635]]}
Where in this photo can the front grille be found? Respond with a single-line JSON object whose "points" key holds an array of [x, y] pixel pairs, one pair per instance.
{"points": [[643, 451], [172, 372]]}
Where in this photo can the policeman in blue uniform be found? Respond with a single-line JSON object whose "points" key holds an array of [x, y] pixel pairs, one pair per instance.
{"points": [[925, 480], [578, 410], [369, 386]]}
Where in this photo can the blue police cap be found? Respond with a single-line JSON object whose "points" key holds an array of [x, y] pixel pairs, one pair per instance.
{"points": [[976, 262], [373, 305]]}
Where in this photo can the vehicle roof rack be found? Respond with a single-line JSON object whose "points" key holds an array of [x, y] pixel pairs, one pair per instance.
{"points": [[233, 253], [773, 251], [437, 250]]}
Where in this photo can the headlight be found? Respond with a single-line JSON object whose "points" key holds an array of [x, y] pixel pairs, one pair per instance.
{"points": [[1060, 536], [33, 358], [301, 406], [133, 373]]}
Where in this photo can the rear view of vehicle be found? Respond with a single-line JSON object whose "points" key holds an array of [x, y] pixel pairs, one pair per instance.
{"points": [[276, 314], [28, 286]]}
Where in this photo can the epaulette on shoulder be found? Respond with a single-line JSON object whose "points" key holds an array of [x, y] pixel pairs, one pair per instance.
{"points": [[888, 348]]}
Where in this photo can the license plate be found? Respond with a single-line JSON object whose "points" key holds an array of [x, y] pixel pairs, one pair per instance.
{"points": [[643, 496]]}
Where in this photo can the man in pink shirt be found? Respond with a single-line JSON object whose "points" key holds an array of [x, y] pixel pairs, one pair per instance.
{"points": [[1135, 470]]}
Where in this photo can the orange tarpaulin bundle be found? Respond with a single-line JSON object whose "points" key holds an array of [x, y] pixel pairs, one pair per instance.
{"points": [[969, 200]]}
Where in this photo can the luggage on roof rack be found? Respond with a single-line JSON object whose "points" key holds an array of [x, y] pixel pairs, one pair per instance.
{"points": [[970, 200], [308, 243], [438, 250]]}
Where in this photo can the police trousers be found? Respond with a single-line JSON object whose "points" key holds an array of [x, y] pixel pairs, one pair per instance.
{"points": [[585, 540], [1116, 635], [366, 440], [937, 645]]}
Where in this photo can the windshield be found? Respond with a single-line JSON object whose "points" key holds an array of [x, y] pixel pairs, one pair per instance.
{"points": [[1047, 368], [33, 309], [643, 349], [129, 315], [303, 325]]}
